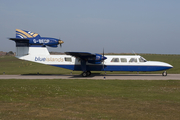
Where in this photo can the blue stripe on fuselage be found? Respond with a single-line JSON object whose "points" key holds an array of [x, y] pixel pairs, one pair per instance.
{"points": [[114, 68]]}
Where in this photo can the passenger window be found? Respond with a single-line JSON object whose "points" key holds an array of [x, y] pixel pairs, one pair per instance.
{"points": [[123, 60], [68, 59], [133, 60], [115, 60]]}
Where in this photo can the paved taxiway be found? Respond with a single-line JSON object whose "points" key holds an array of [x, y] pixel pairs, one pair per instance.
{"points": [[97, 76]]}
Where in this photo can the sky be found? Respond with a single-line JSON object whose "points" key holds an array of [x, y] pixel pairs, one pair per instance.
{"points": [[117, 26]]}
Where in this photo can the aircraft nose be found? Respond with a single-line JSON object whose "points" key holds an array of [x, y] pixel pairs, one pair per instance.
{"points": [[168, 65], [161, 65]]}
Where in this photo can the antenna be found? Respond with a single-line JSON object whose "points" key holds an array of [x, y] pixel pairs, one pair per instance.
{"points": [[134, 52]]}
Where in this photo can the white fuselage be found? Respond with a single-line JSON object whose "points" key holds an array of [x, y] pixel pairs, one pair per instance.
{"points": [[112, 63]]}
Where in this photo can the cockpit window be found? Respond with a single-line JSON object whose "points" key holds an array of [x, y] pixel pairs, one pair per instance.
{"points": [[133, 60], [141, 59], [115, 60]]}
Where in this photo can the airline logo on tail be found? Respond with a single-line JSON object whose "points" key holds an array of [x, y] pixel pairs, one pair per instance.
{"points": [[25, 34]]}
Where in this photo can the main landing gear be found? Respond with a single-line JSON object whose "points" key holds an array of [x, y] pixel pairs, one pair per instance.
{"points": [[164, 73], [86, 73]]}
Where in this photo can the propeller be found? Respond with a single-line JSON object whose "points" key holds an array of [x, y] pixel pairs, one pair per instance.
{"points": [[103, 63], [103, 59], [60, 42]]}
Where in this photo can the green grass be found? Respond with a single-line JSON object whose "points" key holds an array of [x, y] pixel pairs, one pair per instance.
{"points": [[89, 99], [12, 65]]}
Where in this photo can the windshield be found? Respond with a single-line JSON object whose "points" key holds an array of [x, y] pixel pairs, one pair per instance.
{"points": [[141, 59]]}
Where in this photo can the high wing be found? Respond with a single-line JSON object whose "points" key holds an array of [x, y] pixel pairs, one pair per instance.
{"points": [[88, 57], [82, 55]]}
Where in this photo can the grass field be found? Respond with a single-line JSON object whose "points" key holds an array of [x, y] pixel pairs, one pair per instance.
{"points": [[12, 65], [89, 99]]}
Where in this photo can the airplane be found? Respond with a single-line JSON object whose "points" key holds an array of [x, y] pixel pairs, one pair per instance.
{"points": [[81, 61], [30, 39]]}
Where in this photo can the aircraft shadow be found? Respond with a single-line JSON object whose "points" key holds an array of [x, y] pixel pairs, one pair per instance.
{"points": [[133, 75], [70, 75], [43, 74], [76, 76], [94, 74]]}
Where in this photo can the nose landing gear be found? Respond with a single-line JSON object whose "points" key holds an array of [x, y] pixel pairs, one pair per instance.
{"points": [[164, 73]]}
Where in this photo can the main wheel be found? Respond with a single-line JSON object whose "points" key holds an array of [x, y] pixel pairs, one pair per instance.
{"points": [[88, 73], [84, 74], [164, 73]]}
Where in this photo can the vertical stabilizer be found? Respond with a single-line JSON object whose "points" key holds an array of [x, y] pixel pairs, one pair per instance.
{"points": [[31, 51], [38, 51], [26, 34], [22, 51]]}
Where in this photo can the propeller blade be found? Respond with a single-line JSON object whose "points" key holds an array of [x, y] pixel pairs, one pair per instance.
{"points": [[103, 58], [103, 63], [103, 52]]}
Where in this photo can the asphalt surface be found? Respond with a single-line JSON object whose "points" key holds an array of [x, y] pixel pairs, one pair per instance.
{"points": [[98, 76]]}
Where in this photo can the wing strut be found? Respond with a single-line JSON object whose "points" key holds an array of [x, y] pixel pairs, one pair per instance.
{"points": [[83, 65]]}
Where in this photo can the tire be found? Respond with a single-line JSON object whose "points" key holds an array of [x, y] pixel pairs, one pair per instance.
{"points": [[88, 73], [84, 74], [164, 73]]}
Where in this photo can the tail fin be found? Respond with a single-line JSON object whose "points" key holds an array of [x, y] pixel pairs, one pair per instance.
{"points": [[26, 34], [22, 44]]}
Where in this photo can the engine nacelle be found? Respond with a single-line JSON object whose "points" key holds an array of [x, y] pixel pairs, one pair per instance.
{"points": [[28, 38], [97, 60], [51, 42]]}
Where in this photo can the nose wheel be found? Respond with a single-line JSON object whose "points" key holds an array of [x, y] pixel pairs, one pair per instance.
{"points": [[164, 73]]}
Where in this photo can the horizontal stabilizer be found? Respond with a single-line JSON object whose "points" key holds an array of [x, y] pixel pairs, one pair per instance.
{"points": [[18, 39]]}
